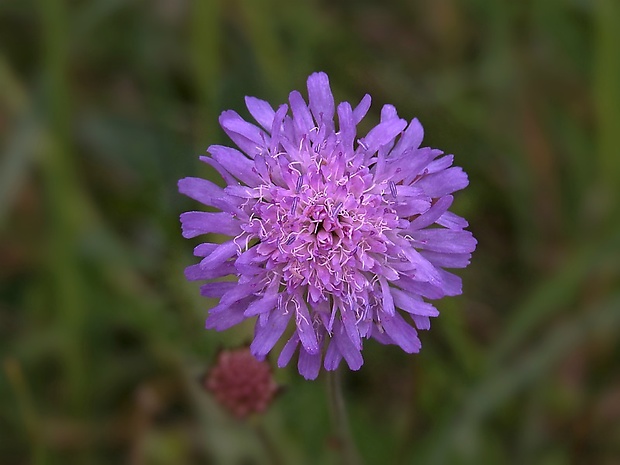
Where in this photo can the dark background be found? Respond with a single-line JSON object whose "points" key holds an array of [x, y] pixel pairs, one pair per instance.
{"points": [[105, 104]]}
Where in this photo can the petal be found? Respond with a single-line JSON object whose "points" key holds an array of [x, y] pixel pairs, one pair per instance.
{"points": [[237, 164], [266, 336], [305, 329], [346, 125], [261, 111], [351, 354], [424, 270], [197, 273], [452, 221], [424, 289], [248, 137], [216, 289], [410, 139], [410, 164], [421, 322], [350, 326], [308, 364], [332, 356], [382, 134], [321, 98], [204, 249], [288, 350], [432, 214], [220, 255], [413, 304], [386, 297], [447, 260], [444, 182], [401, 332], [388, 112], [440, 164], [451, 284], [361, 109], [302, 118], [444, 240], [265, 304], [238, 292], [207, 193], [196, 223], [225, 316]]}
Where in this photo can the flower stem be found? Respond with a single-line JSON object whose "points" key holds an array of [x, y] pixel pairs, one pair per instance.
{"points": [[270, 448], [342, 431]]}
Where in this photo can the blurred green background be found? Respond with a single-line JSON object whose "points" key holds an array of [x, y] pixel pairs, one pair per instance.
{"points": [[105, 104]]}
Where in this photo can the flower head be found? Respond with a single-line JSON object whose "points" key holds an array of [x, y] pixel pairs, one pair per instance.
{"points": [[239, 382], [338, 238]]}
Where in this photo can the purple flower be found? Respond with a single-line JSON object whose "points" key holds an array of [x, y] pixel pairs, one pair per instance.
{"points": [[338, 238]]}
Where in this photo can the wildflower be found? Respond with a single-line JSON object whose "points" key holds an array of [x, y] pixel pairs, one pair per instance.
{"points": [[240, 383], [338, 238]]}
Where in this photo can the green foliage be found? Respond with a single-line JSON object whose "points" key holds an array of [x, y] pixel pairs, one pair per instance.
{"points": [[105, 104]]}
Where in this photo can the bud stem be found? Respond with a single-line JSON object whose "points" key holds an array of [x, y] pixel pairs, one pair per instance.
{"points": [[342, 431]]}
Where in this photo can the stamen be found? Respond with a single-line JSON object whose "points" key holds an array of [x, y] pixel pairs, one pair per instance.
{"points": [[393, 189], [337, 210]]}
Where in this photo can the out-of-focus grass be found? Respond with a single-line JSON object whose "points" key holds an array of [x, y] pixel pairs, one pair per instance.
{"points": [[104, 104]]}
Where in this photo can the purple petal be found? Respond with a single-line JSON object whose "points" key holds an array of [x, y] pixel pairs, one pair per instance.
{"points": [[321, 98], [196, 223], [288, 350], [351, 354], [424, 289], [421, 322], [238, 292], [309, 364], [444, 240], [447, 260], [346, 125], [277, 128], [266, 336], [197, 273], [248, 137], [222, 253], [424, 270], [401, 332], [237, 164], [222, 317], [207, 193], [332, 356], [432, 214], [265, 304], [410, 139], [386, 297], [440, 164], [302, 118], [411, 163], [204, 249], [350, 326], [388, 112], [413, 304], [307, 334], [444, 182], [217, 289], [382, 134], [261, 111], [361, 109], [452, 221], [451, 284]]}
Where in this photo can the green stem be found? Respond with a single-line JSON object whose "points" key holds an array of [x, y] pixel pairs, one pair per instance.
{"points": [[270, 448], [342, 430]]}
